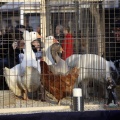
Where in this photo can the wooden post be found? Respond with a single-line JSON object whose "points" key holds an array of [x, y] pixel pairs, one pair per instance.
{"points": [[43, 23], [48, 18], [102, 27], [95, 12], [77, 26], [43, 19]]}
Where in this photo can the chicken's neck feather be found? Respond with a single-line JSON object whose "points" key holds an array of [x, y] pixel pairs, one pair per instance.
{"points": [[49, 60], [28, 53]]}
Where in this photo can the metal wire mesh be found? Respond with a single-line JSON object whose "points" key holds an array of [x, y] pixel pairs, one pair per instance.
{"points": [[94, 26]]}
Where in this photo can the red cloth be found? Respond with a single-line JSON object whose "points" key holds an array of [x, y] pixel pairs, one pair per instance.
{"points": [[67, 46]]}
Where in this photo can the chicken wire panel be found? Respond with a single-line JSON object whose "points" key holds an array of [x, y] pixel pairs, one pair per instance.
{"points": [[87, 23], [18, 78], [17, 16], [81, 19], [94, 25]]}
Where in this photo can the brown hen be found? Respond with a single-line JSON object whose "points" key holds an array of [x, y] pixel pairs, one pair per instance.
{"points": [[58, 85]]}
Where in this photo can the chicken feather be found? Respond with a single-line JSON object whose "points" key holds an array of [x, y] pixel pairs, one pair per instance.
{"points": [[58, 85]]}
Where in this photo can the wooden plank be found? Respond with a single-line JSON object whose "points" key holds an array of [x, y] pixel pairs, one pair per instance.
{"points": [[50, 0], [33, 109], [74, 0]]}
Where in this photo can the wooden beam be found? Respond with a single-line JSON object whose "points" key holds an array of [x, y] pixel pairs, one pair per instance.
{"points": [[33, 109], [20, 0], [51, 0], [75, 0]]}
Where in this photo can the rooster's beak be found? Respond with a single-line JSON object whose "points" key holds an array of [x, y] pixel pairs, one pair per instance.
{"points": [[39, 36], [55, 41], [61, 50]]}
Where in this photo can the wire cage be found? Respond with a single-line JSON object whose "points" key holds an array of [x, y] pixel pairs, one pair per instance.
{"points": [[50, 47]]}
